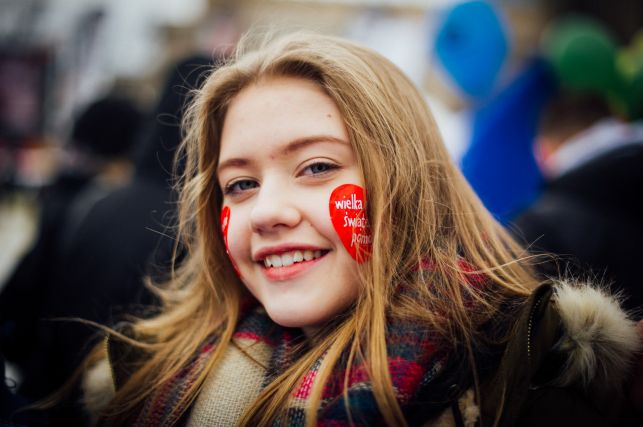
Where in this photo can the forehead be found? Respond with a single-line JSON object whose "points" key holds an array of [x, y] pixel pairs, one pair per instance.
{"points": [[277, 111]]}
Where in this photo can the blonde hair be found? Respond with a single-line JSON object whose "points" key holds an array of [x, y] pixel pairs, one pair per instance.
{"points": [[419, 205]]}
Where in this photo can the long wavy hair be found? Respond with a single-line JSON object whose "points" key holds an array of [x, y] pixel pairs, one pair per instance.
{"points": [[419, 206]]}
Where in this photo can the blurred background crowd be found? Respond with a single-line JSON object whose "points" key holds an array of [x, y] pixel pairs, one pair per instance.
{"points": [[539, 101]]}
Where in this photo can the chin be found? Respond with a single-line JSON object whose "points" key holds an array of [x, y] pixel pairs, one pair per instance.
{"points": [[292, 319]]}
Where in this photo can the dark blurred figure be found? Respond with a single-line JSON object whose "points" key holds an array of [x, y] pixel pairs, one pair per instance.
{"points": [[101, 138], [591, 209], [95, 161], [122, 237], [127, 234], [590, 145]]}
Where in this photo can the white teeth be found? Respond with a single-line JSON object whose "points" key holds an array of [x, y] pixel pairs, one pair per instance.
{"points": [[290, 258], [286, 260], [275, 260]]}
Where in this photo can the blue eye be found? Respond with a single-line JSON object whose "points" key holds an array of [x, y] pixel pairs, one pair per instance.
{"points": [[319, 168], [240, 186]]}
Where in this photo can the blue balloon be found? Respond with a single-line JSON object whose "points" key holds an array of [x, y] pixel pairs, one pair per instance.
{"points": [[472, 46]]}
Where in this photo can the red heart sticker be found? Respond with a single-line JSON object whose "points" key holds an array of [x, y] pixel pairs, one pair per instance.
{"points": [[348, 213], [225, 222]]}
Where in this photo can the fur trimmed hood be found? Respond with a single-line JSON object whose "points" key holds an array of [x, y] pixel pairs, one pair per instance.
{"points": [[599, 339], [571, 349]]}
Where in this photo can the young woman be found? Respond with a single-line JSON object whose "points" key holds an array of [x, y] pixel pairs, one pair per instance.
{"points": [[340, 271]]}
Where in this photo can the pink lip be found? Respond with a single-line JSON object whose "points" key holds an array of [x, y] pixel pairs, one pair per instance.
{"points": [[279, 274], [280, 249]]}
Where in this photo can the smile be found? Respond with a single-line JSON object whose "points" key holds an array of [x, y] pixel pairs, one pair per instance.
{"points": [[289, 258]]}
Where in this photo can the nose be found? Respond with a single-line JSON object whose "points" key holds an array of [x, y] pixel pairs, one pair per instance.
{"points": [[274, 208]]}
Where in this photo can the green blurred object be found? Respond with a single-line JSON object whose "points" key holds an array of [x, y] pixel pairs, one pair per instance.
{"points": [[629, 65], [586, 59], [582, 54]]}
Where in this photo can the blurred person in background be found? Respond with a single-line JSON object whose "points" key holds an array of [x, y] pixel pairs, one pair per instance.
{"points": [[499, 161], [590, 150], [585, 85], [95, 162], [127, 234], [122, 237], [590, 209]]}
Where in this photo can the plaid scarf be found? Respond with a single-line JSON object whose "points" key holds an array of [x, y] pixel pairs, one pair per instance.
{"points": [[426, 377], [415, 358]]}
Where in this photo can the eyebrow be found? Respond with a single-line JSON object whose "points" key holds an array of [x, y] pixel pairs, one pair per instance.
{"points": [[295, 145]]}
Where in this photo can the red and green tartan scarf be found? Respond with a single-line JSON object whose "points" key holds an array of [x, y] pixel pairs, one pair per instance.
{"points": [[415, 362], [427, 377]]}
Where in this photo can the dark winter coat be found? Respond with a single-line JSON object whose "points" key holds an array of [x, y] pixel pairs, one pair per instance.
{"points": [[594, 214]]}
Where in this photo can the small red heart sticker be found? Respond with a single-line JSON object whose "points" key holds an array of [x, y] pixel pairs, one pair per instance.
{"points": [[348, 213], [225, 222]]}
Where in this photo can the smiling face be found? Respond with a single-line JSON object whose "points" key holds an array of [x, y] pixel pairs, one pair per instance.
{"points": [[284, 149]]}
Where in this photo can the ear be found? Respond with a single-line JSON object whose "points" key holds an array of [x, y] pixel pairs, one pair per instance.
{"points": [[544, 149]]}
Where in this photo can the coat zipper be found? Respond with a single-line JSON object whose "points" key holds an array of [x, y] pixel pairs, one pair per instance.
{"points": [[530, 326]]}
